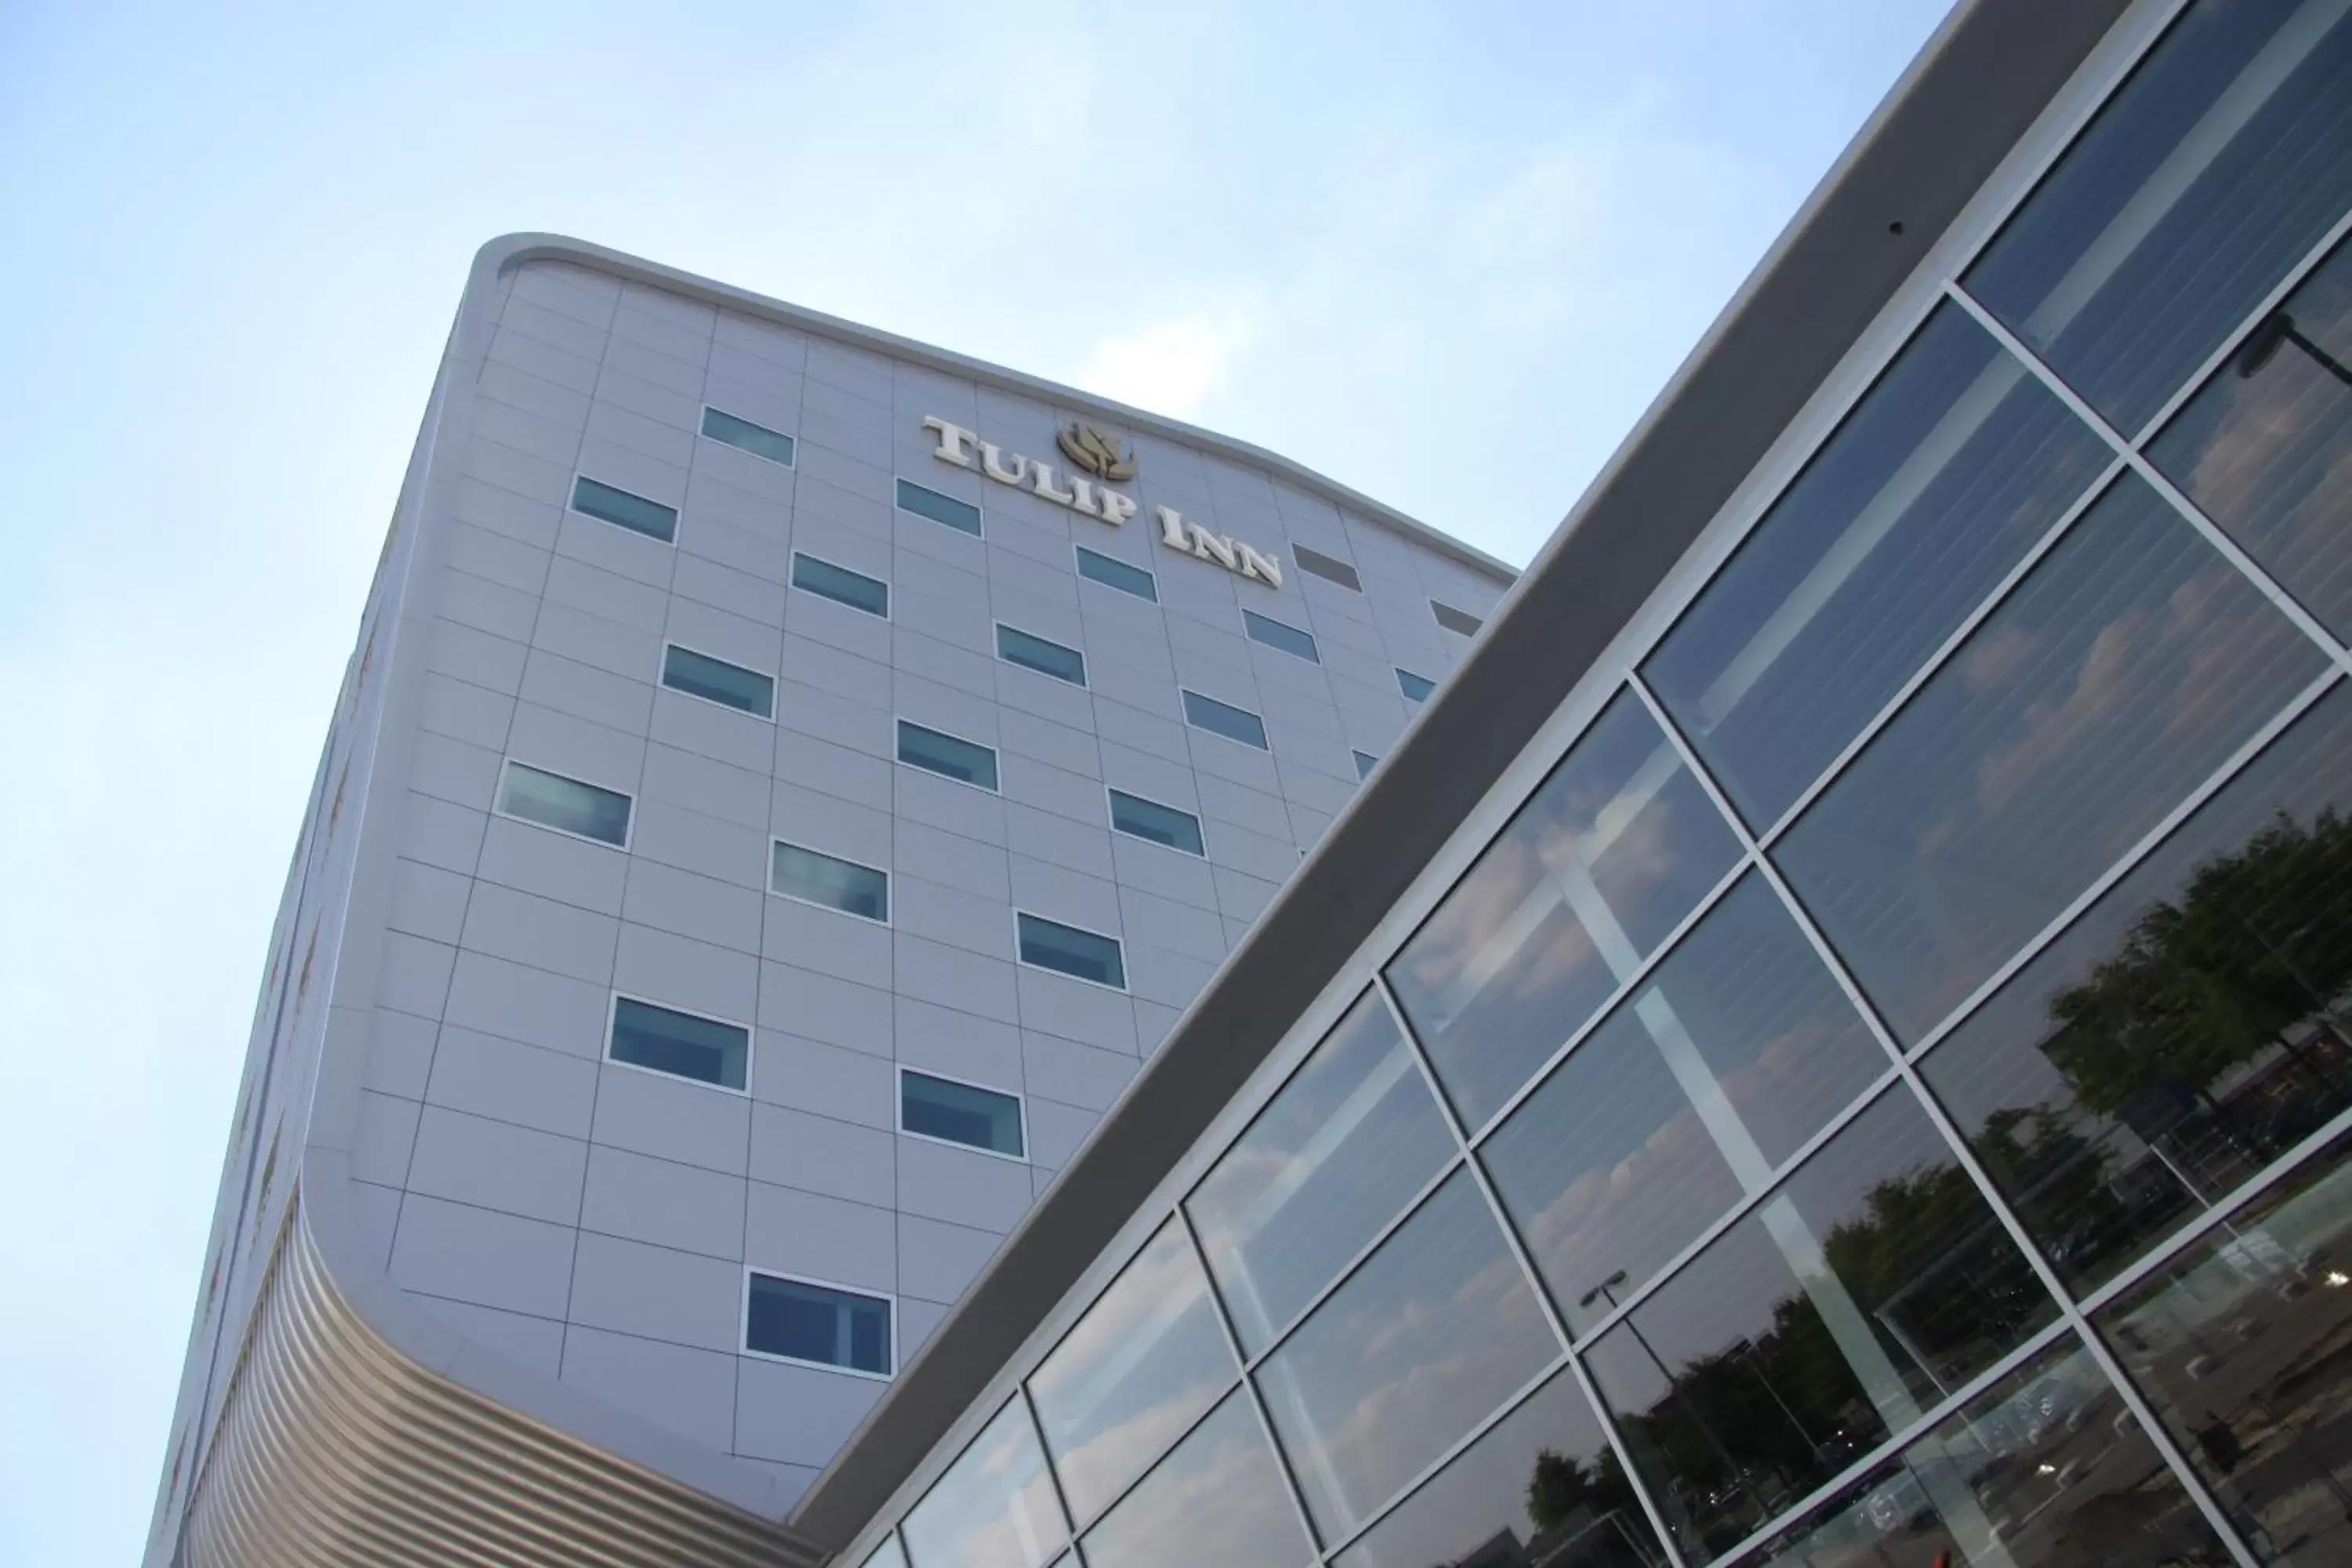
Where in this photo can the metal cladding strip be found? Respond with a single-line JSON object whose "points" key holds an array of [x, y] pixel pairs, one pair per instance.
{"points": [[335, 1448]]}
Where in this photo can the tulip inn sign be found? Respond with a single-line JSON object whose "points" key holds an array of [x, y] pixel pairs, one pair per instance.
{"points": [[1103, 459]]}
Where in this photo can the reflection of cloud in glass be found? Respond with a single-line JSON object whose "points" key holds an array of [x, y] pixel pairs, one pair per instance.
{"points": [[1218, 1499], [994, 1507]]}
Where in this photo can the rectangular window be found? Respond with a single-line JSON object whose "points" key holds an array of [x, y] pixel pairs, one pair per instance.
{"points": [[1416, 688], [946, 755], [844, 885], [1117, 574], [756, 439], [1016, 647], [960, 515], [1280, 635], [551, 800], [716, 680], [818, 1323], [961, 1113], [1365, 763], [621, 510], [1453, 620], [1329, 568], [1066, 949], [1141, 818], [840, 585], [681, 1044], [1225, 719]]}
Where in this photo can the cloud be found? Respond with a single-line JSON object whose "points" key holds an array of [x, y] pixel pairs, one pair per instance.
{"points": [[1169, 366]]}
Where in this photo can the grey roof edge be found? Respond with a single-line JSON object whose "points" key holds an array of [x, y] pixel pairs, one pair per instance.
{"points": [[1944, 128], [512, 250]]}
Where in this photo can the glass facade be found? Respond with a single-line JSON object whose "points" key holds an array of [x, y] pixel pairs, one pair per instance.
{"points": [[1883, 1095]]}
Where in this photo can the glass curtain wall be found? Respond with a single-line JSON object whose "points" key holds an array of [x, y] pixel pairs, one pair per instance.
{"points": [[1886, 1097]]}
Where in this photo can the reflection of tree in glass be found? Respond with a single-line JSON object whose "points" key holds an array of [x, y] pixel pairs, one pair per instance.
{"points": [[1585, 1516]]}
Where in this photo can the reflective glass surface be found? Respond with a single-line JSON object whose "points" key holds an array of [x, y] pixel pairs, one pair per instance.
{"points": [[2265, 448], [946, 754], [1738, 1048], [2187, 1030], [2124, 669], [886, 1555], [994, 1508], [1934, 486], [1066, 949], [2239, 1346], [1872, 1282], [1460, 622], [1613, 849], [1433, 1334], [2046, 1469], [1225, 719], [1119, 574], [1365, 763], [1145, 1360], [1147, 819], [1016, 647], [1281, 634], [960, 515], [756, 439], [681, 1044], [959, 1113], [1315, 563], [716, 680], [1332, 1158], [1416, 688], [1541, 1486], [1218, 1499], [608, 504], [553, 801], [818, 1323], [836, 884], [840, 585], [2219, 163]]}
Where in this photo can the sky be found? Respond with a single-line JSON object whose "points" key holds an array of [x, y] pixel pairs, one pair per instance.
{"points": [[1444, 253]]}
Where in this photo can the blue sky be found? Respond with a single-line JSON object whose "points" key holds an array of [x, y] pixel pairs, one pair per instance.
{"points": [[1445, 254]]}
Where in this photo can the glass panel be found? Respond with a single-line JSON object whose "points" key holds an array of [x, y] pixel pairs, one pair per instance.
{"points": [[553, 801], [1014, 646], [2046, 1469], [2187, 1030], [818, 1323], [1117, 574], [1141, 818], [2215, 168], [2129, 664], [1280, 635], [1932, 489], [1416, 688], [1875, 1281], [716, 680], [1739, 1048], [1069, 951], [1218, 1499], [960, 515], [1613, 849], [2238, 1344], [1365, 763], [1146, 1359], [620, 507], [756, 439], [1329, 568], [840, 585], [886, 1555], [1427, 1338], [1225, 719], [959, 1112], [1543, 1487], [1332, 1158], [2266, 448], [841, 885], [703, 1049], [1458, 621], [994, 1508], [946, 754]]}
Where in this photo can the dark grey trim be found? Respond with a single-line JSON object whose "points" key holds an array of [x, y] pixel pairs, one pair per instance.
{"points": [[1938, 136]]}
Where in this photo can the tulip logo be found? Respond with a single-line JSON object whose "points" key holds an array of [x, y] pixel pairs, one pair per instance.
{"points": [[1097, 453]]}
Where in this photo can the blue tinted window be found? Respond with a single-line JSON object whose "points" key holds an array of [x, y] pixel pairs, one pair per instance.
{"points": [[1141, 818], [961, 1113], [553, 801], [1225, 719], [1416, 688], [620, 507], [843, 885], [703, 1049], [960, 515], [1281, 634], [818, 1323], [716, 680], [840, 585], [1365, 763], [938, 753], [756, 439], [1015, 647], [1117, 574], [1048, 944]]}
